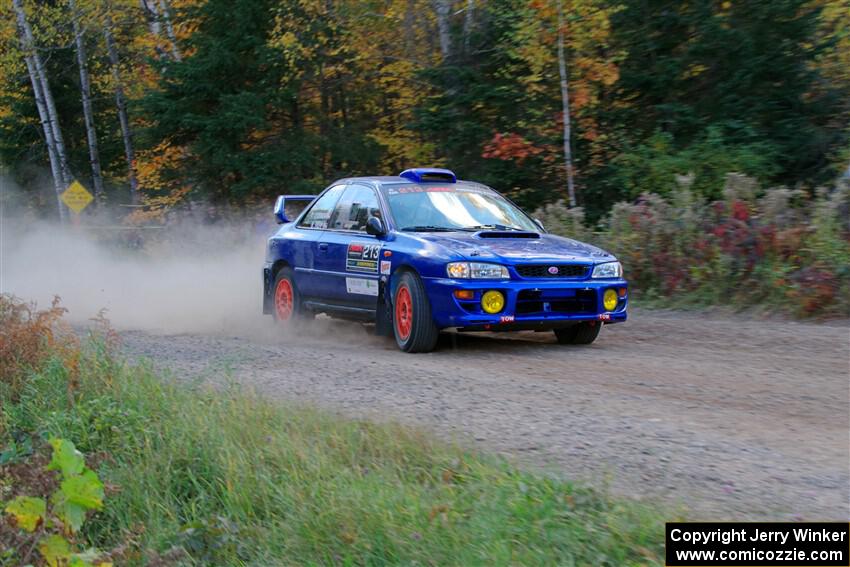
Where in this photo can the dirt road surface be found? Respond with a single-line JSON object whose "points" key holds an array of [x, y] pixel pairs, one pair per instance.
{"points": [[716, 416]]}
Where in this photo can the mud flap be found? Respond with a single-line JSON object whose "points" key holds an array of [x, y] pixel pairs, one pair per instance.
{"points": [[267, 295], [383, 319]]}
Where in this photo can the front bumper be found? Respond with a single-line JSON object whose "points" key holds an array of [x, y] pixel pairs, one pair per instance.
{"points": [[529, 304]]}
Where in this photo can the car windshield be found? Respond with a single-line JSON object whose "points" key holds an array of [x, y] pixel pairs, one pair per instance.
{"points": [[454, 207]]}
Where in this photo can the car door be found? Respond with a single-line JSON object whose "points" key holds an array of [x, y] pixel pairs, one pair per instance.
{"points": [[349, 259], [305, 240]]}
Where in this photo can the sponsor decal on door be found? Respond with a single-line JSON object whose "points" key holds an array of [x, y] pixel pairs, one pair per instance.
{"points": [[361, 286]]}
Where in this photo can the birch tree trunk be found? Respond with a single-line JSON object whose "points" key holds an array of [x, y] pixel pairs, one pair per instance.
{"points": [[443, 9], [157, 12], [43, 114], [88, 114], [169, 29], [55, 168], [121, 104], [152, 16], [565, 102], [468, 23], [50, 105]]}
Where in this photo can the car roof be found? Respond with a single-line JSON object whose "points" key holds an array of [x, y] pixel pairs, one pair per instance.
{"points": [[383, 181], [378, 180]]}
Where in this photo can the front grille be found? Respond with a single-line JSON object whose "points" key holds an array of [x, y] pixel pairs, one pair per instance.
{"points": [[559, 302], [546, 271]]}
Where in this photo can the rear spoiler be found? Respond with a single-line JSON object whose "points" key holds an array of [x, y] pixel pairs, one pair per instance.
{"points": [[288, 207]]}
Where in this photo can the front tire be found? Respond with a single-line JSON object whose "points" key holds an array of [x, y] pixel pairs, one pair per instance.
{"points": [[413, 326], [580, 334]]}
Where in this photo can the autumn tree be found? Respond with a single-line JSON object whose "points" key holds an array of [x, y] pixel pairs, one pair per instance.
{"points": [[499, 109], [588, 101], [743, 68], [25, 148]]}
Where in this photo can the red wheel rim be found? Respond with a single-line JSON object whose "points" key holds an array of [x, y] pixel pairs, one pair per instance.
{"points": [[283, 299], [403, 312]]}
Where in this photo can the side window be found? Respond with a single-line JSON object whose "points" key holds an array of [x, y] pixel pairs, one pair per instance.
{"points": [[355, 207], [320, 213]]}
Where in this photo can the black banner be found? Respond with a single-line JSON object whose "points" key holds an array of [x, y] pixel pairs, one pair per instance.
{"points": [[758, 544]]}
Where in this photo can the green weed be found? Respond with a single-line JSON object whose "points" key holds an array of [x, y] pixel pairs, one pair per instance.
{"points": [[203, 476]]}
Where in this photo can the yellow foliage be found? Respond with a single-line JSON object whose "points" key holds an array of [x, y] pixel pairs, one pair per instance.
{"points": [[360, 46], [835, 29], [158, 193]]}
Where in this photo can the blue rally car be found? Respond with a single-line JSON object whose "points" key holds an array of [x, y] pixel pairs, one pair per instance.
{"points": [[423, 252]]}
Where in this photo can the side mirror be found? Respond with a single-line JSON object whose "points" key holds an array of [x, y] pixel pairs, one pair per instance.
{"points": [[375, 227], [539, 224]]}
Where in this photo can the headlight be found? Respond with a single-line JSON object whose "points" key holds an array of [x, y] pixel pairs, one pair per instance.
{"points": [[476, 271], [608, 270]]}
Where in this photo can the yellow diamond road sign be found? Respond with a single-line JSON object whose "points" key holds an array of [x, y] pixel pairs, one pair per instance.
{"points": [[76, 197]]}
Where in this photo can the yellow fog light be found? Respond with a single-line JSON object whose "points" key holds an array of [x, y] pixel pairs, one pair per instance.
{"points": [[609, 299], [493, 301]]}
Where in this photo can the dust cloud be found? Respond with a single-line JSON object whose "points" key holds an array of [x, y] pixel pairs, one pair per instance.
{"points": [[190, 277]]}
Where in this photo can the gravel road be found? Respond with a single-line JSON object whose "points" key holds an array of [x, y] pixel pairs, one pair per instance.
{"points": [[718, 417]]}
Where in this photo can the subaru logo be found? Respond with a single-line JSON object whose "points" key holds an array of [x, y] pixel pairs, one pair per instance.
{"points": [[553, 270]]}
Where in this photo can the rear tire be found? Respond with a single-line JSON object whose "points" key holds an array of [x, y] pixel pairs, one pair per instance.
{"points": [[286, 300], [413, 326], [580, 334]]}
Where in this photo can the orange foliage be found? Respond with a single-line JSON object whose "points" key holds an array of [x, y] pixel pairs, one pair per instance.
{"points": [[29, 337], [510, 146]]}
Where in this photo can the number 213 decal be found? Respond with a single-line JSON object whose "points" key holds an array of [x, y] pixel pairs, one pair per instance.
{"points": [[363, 257]]}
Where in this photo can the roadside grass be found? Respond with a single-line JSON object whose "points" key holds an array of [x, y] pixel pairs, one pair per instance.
{"points": [[227, 478]]}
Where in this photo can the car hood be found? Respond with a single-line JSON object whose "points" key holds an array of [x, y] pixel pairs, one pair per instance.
{"points": [[506, 249]]}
